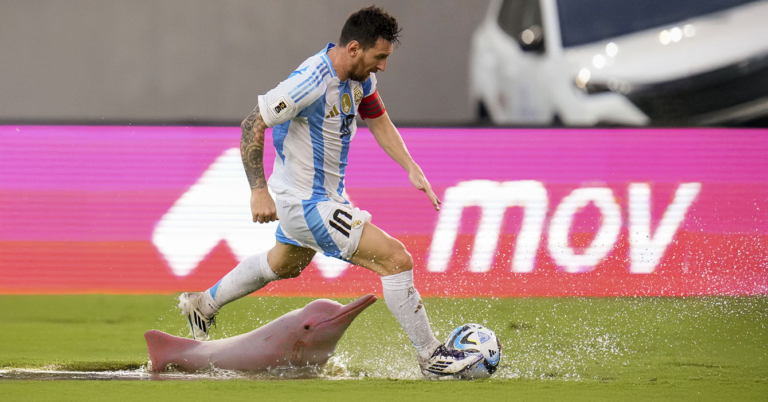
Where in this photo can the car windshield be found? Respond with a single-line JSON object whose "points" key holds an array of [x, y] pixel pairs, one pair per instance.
{"points": [[587, 21]]}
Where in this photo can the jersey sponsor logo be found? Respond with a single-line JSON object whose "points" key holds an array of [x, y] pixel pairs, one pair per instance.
{"points": [[346, 103], [334, 112], [279, 107], [358, 95]]}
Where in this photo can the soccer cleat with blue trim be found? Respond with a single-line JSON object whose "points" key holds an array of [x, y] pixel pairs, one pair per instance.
{"points": [[446, 362], [199, 324]]}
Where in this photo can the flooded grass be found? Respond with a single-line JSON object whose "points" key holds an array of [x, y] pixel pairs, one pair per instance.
{"points": [[641, 342]]}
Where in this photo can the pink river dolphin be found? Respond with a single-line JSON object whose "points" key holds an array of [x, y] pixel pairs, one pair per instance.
{"points": [[303, 337]]}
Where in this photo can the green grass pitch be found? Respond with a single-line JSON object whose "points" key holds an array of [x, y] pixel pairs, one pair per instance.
{"points": [[706, 348]]}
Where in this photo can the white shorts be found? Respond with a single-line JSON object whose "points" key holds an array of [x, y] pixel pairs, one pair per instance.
{"points": [[326, 226]]}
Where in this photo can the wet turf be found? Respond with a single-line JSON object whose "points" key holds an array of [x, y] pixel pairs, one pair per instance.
{"points": [[569, 348]]}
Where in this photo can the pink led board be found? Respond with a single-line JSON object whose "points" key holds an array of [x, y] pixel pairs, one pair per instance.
{"points": [[601, 212]]}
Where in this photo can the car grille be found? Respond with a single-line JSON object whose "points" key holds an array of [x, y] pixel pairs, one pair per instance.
{"points": [[679, 101]]}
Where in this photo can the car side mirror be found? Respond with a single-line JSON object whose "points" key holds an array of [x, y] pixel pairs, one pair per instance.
{"points": [[532, 39]]}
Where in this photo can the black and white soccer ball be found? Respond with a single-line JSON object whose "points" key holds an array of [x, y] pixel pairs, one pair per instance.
{"points": [[475, 338]]}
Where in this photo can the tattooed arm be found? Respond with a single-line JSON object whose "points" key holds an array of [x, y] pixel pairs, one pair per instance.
{"points": [[252, 154]]}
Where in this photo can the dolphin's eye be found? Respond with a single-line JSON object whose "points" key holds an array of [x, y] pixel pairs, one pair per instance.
{"points": [[306, 327]]}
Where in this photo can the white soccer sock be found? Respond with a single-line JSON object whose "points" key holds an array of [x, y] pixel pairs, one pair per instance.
{"points": [[252, 274], [404, 301]]}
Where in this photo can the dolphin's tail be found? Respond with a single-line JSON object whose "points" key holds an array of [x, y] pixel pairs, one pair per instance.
{"points": [[165, 349]]}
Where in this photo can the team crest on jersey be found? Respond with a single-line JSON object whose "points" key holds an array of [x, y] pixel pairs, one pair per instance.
{"points": [[358, 95], [346, 103]]}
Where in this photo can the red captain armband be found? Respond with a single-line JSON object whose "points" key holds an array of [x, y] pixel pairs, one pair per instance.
{"points": [[371, 107]]}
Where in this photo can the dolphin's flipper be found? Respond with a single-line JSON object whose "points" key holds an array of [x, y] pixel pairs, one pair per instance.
{"points": [[165, 349]]}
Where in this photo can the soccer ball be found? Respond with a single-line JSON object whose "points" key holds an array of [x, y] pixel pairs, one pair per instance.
{"points": [[475, 338]]}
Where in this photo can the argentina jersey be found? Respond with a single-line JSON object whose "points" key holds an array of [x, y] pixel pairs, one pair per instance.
{"points": [[312, 114]]}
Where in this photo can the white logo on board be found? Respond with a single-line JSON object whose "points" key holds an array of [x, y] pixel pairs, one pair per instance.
{"points": [[645, 248], [216, 208]]}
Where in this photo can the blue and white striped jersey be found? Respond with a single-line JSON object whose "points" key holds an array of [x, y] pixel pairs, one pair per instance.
{"points": [[312, 114]]}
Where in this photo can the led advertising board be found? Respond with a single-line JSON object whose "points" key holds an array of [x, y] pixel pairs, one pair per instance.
{"points": [[526, 212]]}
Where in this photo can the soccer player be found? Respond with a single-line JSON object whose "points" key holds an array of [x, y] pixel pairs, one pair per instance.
{"points": [[312, 115]]}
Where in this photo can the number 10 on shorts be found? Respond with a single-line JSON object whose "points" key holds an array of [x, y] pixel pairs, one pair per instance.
{"points": [[340, 224]]}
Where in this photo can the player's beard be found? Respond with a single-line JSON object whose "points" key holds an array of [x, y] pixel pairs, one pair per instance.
{"points": [[359, 77], [358, 74]]}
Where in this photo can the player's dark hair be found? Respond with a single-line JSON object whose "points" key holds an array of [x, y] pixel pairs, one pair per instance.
{"points": [[369, 24]]}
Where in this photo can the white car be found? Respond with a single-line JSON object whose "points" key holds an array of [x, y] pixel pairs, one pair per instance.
{"points": [[626, 62]]}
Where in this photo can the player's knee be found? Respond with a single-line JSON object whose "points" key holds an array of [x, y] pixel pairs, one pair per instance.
{"points": [[290, 269], [404, 262], [291, 273], [400, 260]]}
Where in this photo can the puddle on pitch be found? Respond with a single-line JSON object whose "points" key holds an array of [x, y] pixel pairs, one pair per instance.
{"points": [[142, 374]]}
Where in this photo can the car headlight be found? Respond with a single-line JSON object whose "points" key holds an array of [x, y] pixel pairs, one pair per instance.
{"points": [[584, 82]]}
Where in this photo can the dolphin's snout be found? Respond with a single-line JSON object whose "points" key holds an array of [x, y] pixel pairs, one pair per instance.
{"points": [[352, 310]]}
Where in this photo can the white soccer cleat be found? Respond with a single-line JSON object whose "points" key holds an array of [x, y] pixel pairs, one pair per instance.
{"points": [[189, 303], [446, 362]]}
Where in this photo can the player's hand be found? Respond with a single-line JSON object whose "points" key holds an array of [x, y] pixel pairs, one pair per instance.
{"points": [[420, 181], [262, 206]]}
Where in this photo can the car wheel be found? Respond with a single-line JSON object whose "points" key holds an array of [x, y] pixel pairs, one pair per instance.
{"points": [[482, 116]]}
